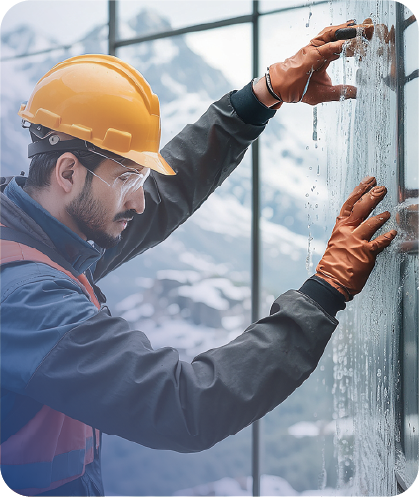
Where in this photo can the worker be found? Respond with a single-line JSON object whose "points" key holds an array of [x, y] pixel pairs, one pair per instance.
{"points": [[99, 193]]}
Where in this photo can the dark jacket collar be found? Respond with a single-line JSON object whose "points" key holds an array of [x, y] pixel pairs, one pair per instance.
{"points": [[79, 253]]}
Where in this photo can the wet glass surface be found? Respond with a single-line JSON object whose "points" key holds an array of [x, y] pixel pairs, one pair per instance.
{"points": [[298, 435], [366, 383], [374, 343], [411, 131]]}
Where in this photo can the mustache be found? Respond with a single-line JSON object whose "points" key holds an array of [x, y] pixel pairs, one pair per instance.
{"points": [[128, 215]]}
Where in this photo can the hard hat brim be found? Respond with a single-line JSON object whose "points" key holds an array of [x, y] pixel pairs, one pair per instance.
{"points": [[152, 160]]}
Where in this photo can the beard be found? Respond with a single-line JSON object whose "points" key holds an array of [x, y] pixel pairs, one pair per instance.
{"points": [[90, 215]]}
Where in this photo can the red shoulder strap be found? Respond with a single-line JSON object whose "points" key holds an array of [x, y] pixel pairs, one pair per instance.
{"points": [[14, 251]]}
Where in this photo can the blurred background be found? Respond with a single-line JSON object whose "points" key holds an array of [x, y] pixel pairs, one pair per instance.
{"points": [[351, 428]]}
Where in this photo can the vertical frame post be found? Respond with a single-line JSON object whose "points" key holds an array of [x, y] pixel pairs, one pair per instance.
{"points": [[112, 26], [400, 85], [255, 242]]}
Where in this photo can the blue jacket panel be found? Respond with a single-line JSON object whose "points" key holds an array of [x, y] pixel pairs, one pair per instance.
{"points": [[39, 306]]}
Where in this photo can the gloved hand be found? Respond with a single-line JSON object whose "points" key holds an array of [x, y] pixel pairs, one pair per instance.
{"points": [[303, 77], [350, 255]]}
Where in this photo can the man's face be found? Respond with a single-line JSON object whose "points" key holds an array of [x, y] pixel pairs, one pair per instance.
{"points": [[107, 202]]}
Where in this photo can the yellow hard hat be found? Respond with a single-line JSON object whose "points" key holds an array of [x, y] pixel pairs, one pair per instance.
{"points": [[104, 101]]}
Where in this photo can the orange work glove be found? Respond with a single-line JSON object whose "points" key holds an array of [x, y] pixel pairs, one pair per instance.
{"points": [[350, 254], [303, 77]]}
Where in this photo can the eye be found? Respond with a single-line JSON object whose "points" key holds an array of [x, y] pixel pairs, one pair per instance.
{"points": [[125, 177]]}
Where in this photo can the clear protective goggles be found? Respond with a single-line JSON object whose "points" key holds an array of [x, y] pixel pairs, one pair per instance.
{"points": [[129, 181]]}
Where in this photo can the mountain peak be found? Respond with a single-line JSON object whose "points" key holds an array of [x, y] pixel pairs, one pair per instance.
{"points": [[24, 39], [147, 21]]}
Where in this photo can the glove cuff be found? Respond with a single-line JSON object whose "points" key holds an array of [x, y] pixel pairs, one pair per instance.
{"points": [[331, 280], [249, 108], [330, 299]]}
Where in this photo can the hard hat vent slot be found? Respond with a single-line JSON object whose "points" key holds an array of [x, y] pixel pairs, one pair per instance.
{"points": [[47, 118], [82, 132], [117, 140]]}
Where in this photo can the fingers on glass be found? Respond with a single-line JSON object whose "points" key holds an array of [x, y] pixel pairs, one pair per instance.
{"points": [[365, 185], [329, 50], [369, 227], [368, 202], [382, 241]]}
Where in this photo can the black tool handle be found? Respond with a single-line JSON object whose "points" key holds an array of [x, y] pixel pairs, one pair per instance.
{"points": [[345, 33]]}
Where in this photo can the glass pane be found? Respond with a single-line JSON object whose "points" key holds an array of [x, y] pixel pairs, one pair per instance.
{"points": [[411, 133], [45, 27], [298, 434], [411, 37], [63, 22], [137, 18], [362, 140], [269, 5], [343, 421], [192, 291], [409, 349]]}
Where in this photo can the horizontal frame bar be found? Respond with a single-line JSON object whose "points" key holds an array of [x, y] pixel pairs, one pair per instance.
{"points": [[209, 25], [175, 32]]}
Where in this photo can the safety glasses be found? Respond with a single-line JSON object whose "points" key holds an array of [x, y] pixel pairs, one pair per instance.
{"points": [[129, 181]]}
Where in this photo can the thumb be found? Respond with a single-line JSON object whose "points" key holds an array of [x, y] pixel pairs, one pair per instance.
{"points": [[328, 93], [335, 93]]}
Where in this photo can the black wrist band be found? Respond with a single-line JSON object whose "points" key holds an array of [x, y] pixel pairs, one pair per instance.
{"points": [[269, 86]]}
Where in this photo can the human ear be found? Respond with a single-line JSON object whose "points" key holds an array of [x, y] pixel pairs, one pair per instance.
{"points": [[67, 172]]}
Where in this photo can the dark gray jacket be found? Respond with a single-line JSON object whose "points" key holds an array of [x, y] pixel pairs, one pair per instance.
{"points": [[59, 350]]}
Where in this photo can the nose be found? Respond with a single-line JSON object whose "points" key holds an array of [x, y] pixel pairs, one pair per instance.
{"points": [[136, 201]]}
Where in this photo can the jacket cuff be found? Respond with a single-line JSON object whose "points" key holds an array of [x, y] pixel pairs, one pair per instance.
{"points": [[330, 299], [248, 107]]}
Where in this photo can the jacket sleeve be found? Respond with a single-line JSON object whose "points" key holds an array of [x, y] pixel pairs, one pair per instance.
{"points": [[108, 376], [203, 155]]}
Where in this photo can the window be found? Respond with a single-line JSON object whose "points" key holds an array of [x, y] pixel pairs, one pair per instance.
{"points": [[194, 294]]}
